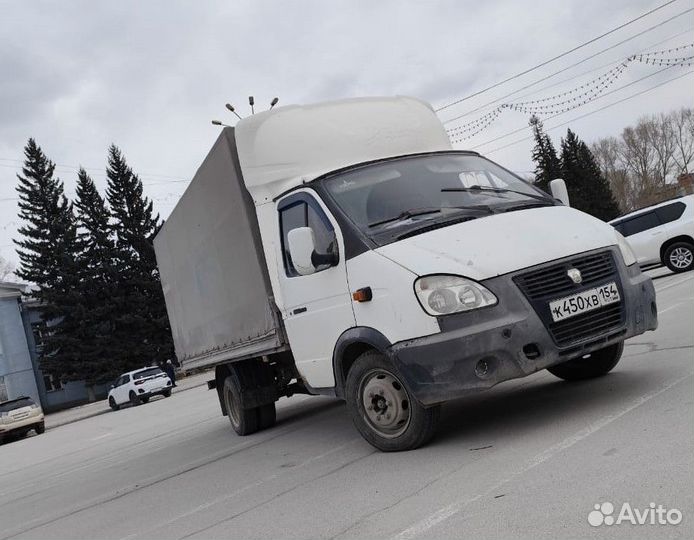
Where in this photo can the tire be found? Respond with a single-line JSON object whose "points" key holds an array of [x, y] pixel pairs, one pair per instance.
{"points": [[679, 257], [166, 393], [40, 428], [145, 399], [134, 400], [243, 421], [382, 408], [267, 416], [597, 364], [112, 403]]}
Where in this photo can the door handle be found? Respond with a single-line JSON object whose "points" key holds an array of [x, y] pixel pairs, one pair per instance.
{"points": [[300, 310]]}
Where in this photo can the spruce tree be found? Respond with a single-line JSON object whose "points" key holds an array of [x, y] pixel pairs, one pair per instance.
{"points": [[99, 284], [143, 324], [588, 188], [48, 256], [547, 164]]}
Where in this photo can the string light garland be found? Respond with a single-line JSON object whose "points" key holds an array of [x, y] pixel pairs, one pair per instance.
{"points": [[574, 98]]}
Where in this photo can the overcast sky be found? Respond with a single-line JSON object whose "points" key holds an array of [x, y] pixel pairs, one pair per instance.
{"points": [[150, 75]]}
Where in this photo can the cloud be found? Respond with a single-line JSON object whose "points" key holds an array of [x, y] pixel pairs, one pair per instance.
{"points": [[149, 76]]}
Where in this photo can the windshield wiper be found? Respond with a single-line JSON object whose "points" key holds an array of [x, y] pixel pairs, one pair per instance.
{"points": [[407, 214], [473, 189], [523, 206]]}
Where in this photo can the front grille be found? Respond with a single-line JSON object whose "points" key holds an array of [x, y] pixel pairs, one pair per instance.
{"points": [[586, 325], [553, 280]]}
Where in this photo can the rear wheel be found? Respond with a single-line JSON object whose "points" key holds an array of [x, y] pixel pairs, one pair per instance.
{"points": [[145, 399], [244, 421], [679, 257], [267, 416], [112, 403], [382, 409], [598, 363], [40, 428], [134, 400]]}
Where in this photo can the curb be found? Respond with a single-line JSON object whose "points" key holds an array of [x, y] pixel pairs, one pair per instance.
{"points": [[106, 409]]}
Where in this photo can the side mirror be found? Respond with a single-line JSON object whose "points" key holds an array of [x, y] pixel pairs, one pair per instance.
{"points": [[302, 245], [113, 386], [558, 189]]}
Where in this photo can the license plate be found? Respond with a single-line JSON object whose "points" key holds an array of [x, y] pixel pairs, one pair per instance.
{"points": [[583, 302]]}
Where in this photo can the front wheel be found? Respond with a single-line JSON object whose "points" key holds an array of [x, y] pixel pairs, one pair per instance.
{"points": [[112, 403], [679, 257], [382, 409], [598, 363], [166, 393], [40, 428]]}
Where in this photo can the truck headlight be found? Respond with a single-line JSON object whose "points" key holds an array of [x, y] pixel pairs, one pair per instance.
{"points": [[442, 294], [624, 247]]}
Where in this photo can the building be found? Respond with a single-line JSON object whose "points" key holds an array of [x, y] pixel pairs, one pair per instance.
{"points": [[17, 370], [21, 329]]}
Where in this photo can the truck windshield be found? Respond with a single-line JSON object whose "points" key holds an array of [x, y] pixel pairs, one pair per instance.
{"points": [[387, 198]]}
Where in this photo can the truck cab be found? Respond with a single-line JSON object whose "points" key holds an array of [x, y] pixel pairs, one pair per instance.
{"points": [[404, 273]]}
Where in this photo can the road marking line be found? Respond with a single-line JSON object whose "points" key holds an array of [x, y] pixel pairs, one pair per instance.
{"points": [[237, 492], [101, 436], [672, 284], [456, 507]]}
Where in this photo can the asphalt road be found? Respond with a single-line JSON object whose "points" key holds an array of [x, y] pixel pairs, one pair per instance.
{"points": [[528, 459]]}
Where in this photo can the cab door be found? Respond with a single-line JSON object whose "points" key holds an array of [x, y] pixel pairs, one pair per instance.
{"points": [[316, 308], [645, 236]]}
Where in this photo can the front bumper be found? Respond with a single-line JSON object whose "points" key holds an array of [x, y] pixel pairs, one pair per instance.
{"points": [[482, 348]]}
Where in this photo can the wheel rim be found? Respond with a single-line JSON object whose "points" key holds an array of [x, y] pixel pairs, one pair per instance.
{"points": [[386, 403], [681, 257], [232, 408]]}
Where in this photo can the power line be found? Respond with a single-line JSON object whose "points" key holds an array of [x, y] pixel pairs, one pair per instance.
{"points": [[576, 64], [557, 57], [594, 112], [589, 92], [162, 178], [564, 112]]}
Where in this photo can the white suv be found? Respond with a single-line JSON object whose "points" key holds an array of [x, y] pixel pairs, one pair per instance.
{"points": [[138, 386], [19, 416], [663, 233]]}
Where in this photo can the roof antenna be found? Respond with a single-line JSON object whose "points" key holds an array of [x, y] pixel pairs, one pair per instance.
{"points": [[251, 102], [274, 102], [218, 123], [231, 108]]}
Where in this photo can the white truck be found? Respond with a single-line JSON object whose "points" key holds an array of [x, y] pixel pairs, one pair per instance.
{"points": [[346, 249]]}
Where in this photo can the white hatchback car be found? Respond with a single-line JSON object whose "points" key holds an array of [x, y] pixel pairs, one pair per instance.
{"points": [[662, 233], [138, 386]]}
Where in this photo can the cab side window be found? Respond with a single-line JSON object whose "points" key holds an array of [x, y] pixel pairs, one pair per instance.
{"points": [[640, 223], [670, 212], [302, 211]]}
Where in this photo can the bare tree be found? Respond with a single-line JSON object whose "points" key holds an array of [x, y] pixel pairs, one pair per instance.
{"points": [[607, 153], [6, 268], [661, 137], [682, 125]]}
